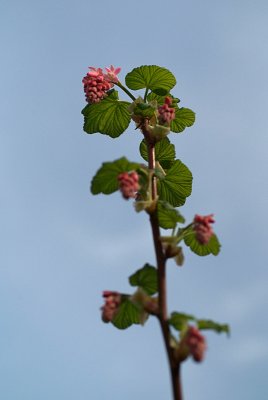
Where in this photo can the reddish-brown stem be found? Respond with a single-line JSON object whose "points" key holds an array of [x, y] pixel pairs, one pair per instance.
{"points": [[176, 382], [161, 273]]}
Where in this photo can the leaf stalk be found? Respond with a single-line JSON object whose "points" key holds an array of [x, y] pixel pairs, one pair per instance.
{"points": [[119, 84]]}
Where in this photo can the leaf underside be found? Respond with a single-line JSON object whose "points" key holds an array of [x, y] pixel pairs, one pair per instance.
{"points": [[176, 185], [127, 315], [212, 247], [145, 278]]}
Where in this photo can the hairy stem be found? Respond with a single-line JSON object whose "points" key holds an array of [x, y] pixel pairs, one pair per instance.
{"points": [[161, 273]]}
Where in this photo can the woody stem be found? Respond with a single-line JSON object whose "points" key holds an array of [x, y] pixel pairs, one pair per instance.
{"points": [[161, 273]]}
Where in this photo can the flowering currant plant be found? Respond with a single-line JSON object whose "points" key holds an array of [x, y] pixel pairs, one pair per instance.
{"points": [[158, 186]]}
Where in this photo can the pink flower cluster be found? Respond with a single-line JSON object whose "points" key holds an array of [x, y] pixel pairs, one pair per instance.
{"points": [[128, 184], [112, 303], [202, 227], [196, 343], [166, 112], [96, 83]]}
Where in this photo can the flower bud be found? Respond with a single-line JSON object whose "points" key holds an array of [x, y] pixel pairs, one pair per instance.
{"points": [[196, 343], [128, 184], [202, 227], [166, 112], [111, 305]]}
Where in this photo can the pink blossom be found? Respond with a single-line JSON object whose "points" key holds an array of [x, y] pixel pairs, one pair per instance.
{"points": [[94, 72], [112, 73], [111, 305], [196, 343], [96, 85], [202, 227], [128, 184], [166, 112]]}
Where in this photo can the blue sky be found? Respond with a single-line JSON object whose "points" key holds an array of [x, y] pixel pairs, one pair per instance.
{"points": [[61, 246]]}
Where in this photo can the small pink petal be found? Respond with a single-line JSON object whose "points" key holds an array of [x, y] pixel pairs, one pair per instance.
{"points": [[112, 73], [95, 71]]}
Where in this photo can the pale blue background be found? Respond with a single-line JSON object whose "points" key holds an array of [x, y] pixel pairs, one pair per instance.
{"points": [[60, 246]]}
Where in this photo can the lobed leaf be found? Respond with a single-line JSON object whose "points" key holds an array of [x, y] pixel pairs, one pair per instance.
{"points": [[168, 216], [110, 116], [145, 278], [213, 246], [179, 320], [176, 185], [161, 99], [160, 80], [207, 324], [155, 97], [106, 179], [184, 118], [127, 315]]}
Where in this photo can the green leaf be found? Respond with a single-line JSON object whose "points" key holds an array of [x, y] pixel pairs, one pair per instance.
{"points": [[179, 320], [168, 216], [155, 97], [207, 324], [145, 278], [213, 246], [177, 184], [106, 179], [184, 118], [127, 315], [161, 99], [164, 152], [110, 116], [158, 79]]}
